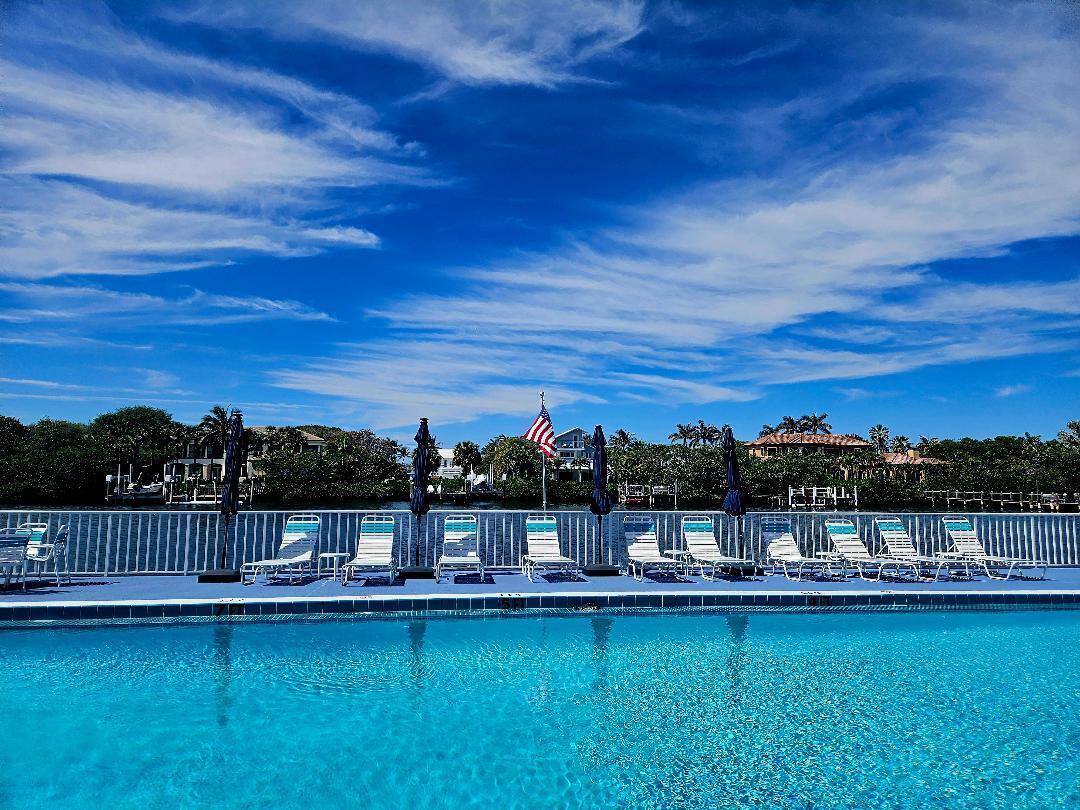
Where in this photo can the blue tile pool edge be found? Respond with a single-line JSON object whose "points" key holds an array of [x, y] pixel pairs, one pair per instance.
{"points": [[82, 614]]}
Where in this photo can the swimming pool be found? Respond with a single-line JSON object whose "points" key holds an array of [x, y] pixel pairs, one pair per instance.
{"points": [[838, 709]]}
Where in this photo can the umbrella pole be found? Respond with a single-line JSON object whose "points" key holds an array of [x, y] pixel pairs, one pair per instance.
{"points": [[224, 545]]}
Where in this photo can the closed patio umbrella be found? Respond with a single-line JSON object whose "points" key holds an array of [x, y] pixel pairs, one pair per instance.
{"points": [[230, 498], [600, 504], [418, 503], [733, 500]]}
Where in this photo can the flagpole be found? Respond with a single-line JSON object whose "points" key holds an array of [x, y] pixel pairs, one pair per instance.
{"points": [[543, 465], [543, 479]]}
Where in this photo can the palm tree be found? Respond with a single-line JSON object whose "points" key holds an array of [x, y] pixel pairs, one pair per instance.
{"points": [[789, 424], [815, 423], [708, 435], [467, 456], [1070, 436], [214, 426], [879, 437], [927, 443], [900, 444], [180, 437], [683, 433], [621, 439]]}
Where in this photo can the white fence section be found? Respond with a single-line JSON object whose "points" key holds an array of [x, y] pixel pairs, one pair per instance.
{"points": [[108, 543]]}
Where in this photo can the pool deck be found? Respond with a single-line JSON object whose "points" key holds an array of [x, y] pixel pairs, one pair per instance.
{"points": [[140, 599]]}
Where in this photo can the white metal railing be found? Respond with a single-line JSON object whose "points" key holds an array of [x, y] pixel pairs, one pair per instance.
{"points": [[108, 543]]}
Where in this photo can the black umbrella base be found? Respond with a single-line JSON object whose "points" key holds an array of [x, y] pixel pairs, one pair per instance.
{"points": [[220, 575], [597, 570], [416, 572]]}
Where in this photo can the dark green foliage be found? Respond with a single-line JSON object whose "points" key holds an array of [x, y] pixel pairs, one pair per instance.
{"points": [[527, 492], [54, 462], [355, 465], [513, 457], [51, 462]]}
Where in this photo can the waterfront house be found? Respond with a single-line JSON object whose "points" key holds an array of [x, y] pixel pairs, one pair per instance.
{"points": [[909, 466], [449, 470], [779, 444], [572, 447], [447, 467], [205, 461]]}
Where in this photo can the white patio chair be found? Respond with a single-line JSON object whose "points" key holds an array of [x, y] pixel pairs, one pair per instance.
{"points": [[643, 548], [40, 551], [703, 552], [374, 548], [460, 552], [295, 554], [542, 547], [13, 544], [782, 552], [852, 553], [899, 546], [968, 546]]}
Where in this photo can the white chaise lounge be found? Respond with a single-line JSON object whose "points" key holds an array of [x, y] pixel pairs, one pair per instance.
{"points": [[703, 553], [968, 546], [295, 554], [852, 553], [374, 548], [459, 551], [643, 549], [542, 547], [782, 552], [899, 546]]}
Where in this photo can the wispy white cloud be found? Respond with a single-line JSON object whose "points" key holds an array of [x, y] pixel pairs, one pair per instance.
{"points": [[508, 42], [122, 156], [1011, 390], [75, 304], [36, 383], [443, 380], [56, 228], [719, 282], [51, 339]]}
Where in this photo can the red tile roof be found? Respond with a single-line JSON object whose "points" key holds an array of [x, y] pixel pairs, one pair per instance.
{"points": [[904, 458], [810, 439]]}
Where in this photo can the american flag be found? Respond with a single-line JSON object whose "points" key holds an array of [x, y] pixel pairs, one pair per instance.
{"points": [[542, 432]]}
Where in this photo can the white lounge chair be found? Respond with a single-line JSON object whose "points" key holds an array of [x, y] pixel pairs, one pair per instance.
{"points": [[782, 552], [852, 553], [703, 553], [295, 554], [542, 544], [13, 544], [374, 548], [643, 549], [899, 546], [968, 546], [459, 551]]}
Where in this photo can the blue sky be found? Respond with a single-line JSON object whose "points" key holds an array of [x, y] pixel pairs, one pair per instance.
{"points": [[360, 214]]}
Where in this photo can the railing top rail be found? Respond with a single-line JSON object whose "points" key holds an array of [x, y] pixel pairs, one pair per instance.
{"points": [[826, 513]]}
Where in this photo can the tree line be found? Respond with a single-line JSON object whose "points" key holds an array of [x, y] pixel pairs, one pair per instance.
{"points": [[62, 462]]}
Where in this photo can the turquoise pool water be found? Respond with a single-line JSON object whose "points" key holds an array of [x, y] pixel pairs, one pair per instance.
{"points": [[769, 710]]}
